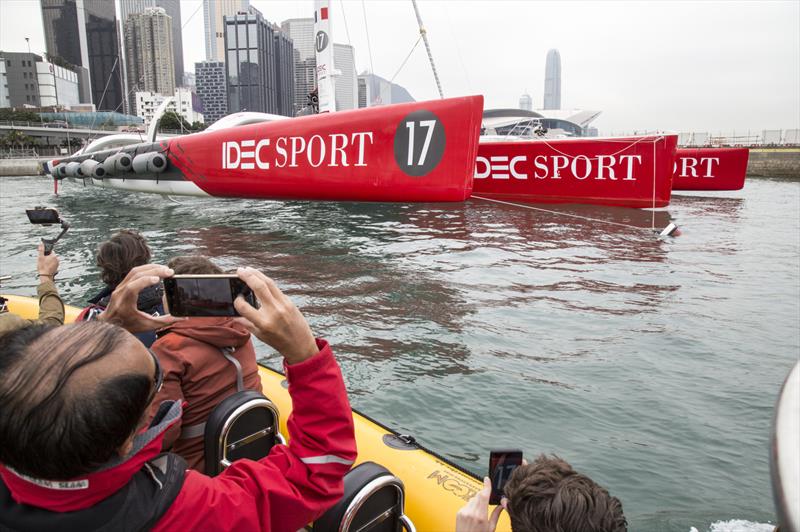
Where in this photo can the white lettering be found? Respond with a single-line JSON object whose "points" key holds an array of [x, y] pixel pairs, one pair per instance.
{"points": [[262, 164], [629, 176]]}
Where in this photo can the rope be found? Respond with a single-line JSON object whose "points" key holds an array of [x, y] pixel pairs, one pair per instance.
{"points": [[366, 28], [344, 17], [406, 59], [587, 218]]}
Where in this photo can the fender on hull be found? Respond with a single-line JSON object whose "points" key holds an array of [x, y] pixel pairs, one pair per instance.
{"points": [[710, 168], [625, 172]]}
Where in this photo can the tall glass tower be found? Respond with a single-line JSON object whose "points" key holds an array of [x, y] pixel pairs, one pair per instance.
{"points": [[552, 81]]}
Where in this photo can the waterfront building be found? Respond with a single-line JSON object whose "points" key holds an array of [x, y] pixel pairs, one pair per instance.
{"points": [[374, 90], [173, 9], [552, 81], [184, 104], [301, 31], [29, 80], [148, 47], [84, 34], [345, 82], [259, 65], [210, 77], [214, 12], [4, 101], [526, 102]]}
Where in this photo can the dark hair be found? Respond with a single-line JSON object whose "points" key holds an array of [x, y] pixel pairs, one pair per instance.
{"points": [[548, 495], [193, 265], [119, 254], [50, 429]]}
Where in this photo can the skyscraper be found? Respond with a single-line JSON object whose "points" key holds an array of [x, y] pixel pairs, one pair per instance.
{"points": [[346, 82], [84, 34], [526, 102], [210, 77], [552, 81], [259, 65], [214, 12], [301, 31], [173, 9], [148, 48]]}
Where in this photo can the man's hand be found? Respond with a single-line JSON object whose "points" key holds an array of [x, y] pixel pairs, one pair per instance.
{"points": [[122, 310], [474, 516], [46, 265], [278, 322]]}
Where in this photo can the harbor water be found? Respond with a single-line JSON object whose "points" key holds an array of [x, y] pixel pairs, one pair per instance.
{"points": [[651, 365]]}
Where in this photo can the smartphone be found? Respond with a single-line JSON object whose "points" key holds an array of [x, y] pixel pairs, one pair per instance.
{"points": [[502, 462], [205, 295], [43, 215]]}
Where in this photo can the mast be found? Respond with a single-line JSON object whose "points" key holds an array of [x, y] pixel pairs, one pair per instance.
{"points": [[323, 45], [424, 35]]}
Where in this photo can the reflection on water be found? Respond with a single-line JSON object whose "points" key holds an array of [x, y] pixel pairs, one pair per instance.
{"points": [[651, 364]]}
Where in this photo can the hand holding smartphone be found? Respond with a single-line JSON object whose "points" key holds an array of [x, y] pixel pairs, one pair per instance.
{"points": [[502, 462], [205, 295]]}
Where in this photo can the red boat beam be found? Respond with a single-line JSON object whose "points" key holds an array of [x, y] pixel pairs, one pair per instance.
{"points": [[625, 172]]}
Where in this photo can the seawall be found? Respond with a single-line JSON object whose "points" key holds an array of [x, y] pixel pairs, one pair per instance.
{"points": [[774, 162], [18, 167]]}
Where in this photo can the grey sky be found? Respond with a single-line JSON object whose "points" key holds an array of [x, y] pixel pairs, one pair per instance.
{"points": [[705, 66]]}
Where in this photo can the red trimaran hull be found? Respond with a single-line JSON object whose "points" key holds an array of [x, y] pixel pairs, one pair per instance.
{"points": [[625, 172]]}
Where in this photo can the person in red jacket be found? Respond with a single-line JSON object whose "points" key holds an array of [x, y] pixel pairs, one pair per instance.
{"points": [[75, 453], [196, 370]]}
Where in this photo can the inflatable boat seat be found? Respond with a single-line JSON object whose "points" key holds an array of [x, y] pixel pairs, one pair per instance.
{"points": [[244, 425], [373, 501]]}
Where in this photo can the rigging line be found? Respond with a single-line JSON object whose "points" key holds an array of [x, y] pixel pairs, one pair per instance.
{"points": [[344, 17], [424, 33], [406, 59], [366, 28], [587, 218]]}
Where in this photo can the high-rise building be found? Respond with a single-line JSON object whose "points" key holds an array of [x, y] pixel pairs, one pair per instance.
{"points": [[301, 31], [148, 48], [210, 78], [214, 12], [84, 34], [29, 80], [526, 102], [552, 81], [259, 65], [346, 83], [173, 9]]}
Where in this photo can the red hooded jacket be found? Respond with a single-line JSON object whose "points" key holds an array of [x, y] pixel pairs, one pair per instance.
{"points": [[286, 490], [195, 371]]}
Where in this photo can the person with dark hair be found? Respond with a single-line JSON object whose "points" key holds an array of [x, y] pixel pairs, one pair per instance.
{"points": [[545, 496], [77, 454], [194, 354], [51, 308], [116, 257]]}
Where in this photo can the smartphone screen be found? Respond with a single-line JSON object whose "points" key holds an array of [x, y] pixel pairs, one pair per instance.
{"points": [[205, 295], [502, 463], [43, 216]]}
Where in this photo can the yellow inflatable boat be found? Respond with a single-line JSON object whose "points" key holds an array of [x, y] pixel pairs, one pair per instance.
{"points": [[435, 488]]}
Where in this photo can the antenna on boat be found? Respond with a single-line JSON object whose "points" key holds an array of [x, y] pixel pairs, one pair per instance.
{"points": [[424, 35]]}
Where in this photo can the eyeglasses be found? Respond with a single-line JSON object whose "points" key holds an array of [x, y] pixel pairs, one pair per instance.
{"points": [[158, 378]]}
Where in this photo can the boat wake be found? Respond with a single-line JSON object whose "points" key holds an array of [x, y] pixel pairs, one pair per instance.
{"points": [[738, 525]]}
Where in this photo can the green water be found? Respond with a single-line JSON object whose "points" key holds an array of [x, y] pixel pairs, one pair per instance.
{"points": [[652, 366]]}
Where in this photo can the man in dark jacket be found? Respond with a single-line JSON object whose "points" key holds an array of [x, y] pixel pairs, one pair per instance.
{"points": [[73, 455], [192, 354]]}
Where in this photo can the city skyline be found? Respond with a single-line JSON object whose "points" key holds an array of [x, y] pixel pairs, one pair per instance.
{"points": [[625, 62]]}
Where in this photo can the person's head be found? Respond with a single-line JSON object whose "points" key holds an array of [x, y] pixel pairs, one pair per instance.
{"points": [[72, 397], [119, 254], [549, 495], [193, 265]]}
